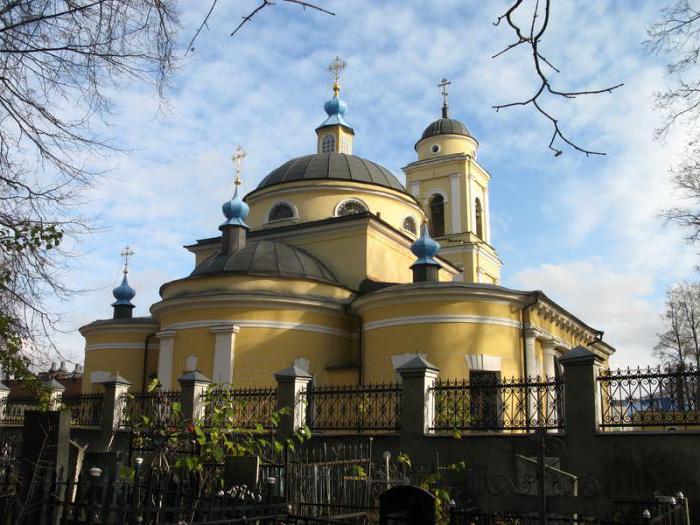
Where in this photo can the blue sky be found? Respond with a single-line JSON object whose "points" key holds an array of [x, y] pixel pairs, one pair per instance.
{"points": [[583, 229]]}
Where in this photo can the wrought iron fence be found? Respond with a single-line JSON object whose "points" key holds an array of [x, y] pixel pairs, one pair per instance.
{"points": [[85, 409], [248, 408], [361, 408], [498, 405], [156, 405], [16, 406], [650, 398]]}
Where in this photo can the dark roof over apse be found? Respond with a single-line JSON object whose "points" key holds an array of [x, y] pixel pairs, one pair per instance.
{"points": [[268, 259], [332, 166]]}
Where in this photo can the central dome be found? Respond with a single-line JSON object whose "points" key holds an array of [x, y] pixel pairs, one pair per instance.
{"points": [[332, 166]]}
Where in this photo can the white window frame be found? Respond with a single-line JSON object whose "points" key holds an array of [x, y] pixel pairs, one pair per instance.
{"points": [[340, 204], [331, 141], [294, 217]]}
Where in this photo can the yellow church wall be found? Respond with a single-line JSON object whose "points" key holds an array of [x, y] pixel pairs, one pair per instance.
{"points": [[443, 344], [319, 199], [449, 145], [426, 305]]}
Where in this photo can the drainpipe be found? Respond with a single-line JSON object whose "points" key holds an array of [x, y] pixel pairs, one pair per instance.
{"points": [[145, 360]]}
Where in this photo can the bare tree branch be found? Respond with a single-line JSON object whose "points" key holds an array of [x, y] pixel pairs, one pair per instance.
{"points": [[532, 38]]}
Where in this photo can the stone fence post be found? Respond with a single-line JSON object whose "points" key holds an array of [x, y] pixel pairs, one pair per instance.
{"points": [[4, 393], [112, 408], [290, 383], [193, 387], [55, 392], [417, 400], [581, 396]]}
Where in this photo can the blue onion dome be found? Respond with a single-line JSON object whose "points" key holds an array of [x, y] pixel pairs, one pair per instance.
{"points": [[235, 211], [123, 293], [335, 109], [425, 248], [335, 106]]}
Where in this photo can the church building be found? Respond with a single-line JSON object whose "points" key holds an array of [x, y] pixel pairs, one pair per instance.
{"points": [[334, 265]]}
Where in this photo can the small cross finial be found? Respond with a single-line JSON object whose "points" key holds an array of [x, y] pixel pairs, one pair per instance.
{"points": [[237, 159], [126, 254], [336, 68], [443, 84]]}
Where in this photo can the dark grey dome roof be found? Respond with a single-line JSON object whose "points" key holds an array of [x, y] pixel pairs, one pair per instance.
{"points": [[267, 259], [334, 166], [445, 126]]}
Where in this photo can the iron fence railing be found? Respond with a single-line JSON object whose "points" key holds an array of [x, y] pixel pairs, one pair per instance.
{"points": [[85, 409], [361, 408], [246, 408], [156, 405], [650, 398], [498, 405], [16, 406]]}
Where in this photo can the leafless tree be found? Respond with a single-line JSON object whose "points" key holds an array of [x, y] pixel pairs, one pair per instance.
{"points": [[59, 61], [679, 344]]}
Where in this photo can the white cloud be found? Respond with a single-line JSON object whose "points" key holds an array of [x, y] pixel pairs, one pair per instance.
{"points": [[620, 303]]}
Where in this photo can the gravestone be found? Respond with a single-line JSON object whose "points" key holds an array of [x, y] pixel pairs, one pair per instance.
{"points": [[406, 505]]}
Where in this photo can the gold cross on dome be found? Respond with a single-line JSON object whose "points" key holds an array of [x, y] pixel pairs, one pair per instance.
{"points": [[336, 68], [237, 159], [126, 254], [443, 84]]}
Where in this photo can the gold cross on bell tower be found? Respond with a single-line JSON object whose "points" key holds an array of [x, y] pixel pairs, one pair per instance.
{"points": [[237, 159], [443, 84], [126, 254], [336, 68]]}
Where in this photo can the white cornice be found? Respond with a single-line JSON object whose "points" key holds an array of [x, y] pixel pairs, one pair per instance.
{"points": [[434, 319], [247, 300], [118, 346], [403, 295], [318, 185], [118, 326], [245, 323]]}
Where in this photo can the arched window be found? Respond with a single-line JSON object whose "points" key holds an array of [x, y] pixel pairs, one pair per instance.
{"points": [[437, 215], [350, 207], [280, 211], [479, 219], [328, 144], [409, 224]]}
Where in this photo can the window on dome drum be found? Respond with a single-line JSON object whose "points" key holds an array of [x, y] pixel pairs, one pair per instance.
{"points": [[280, 211], [479, 219], [328, 144], [437, 216], [409, 224], [351, 207]]}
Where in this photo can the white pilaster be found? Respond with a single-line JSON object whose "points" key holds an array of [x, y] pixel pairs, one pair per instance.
{"points": [[456, 199], [165, 358], [415, 190], [549, 354], [470, 202], [487, 217], [224, 343], [530, 353]]}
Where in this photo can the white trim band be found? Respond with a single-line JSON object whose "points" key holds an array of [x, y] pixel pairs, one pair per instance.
{"points": [[118, 346], [429, 319], [280, 325]]}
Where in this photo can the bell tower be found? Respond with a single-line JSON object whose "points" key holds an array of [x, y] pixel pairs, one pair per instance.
{"points": [[453, 190]]}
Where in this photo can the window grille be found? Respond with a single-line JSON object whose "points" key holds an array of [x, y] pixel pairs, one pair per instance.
{"points": [[280, 211], [351, 207], [409, 224], [328, 144]]}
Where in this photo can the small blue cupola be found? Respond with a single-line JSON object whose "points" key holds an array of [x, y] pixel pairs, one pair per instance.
{"points": [[425, 248], [335, 109], [233, 230], [235, 211], [124, 293]]}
